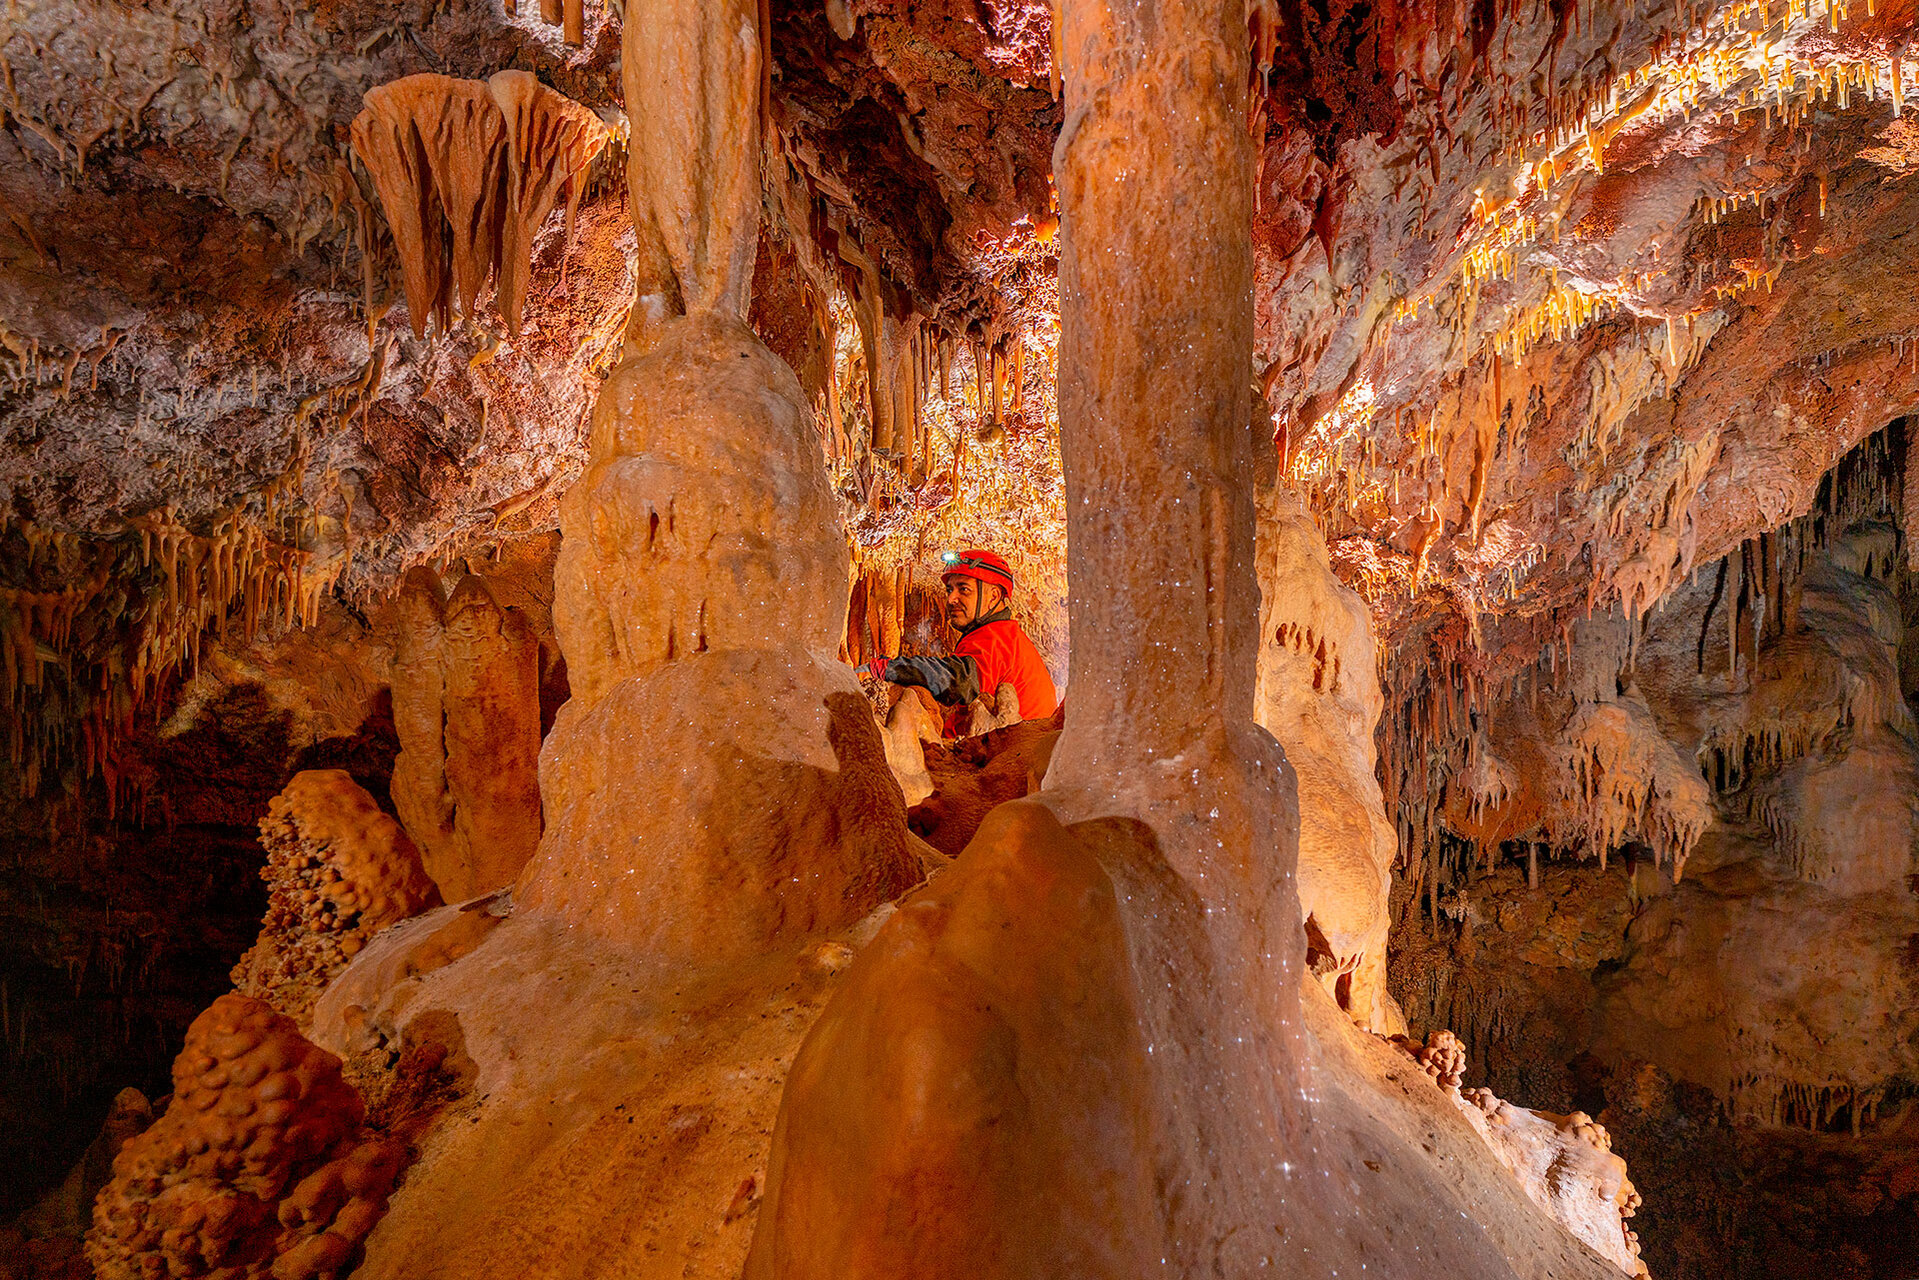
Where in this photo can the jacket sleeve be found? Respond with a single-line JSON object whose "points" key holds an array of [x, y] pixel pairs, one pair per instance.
{"points": [[965, 681]]}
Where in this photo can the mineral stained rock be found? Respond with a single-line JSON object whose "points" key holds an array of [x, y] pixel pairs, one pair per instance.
{"points": [[258, 1168], [467, 707], [338, 871]]}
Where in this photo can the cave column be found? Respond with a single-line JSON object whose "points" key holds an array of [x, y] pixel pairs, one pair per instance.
{"points": [[1155, 175], [1154, 169], [700, 590]]}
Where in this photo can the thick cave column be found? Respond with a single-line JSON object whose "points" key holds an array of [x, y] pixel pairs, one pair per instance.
{"points": [[1155, 176], [716, 782]]}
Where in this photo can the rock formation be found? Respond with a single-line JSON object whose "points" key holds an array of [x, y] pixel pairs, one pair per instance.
{"points": [[940, 1115], [258, 1168], [467, 172], [338, 871], [1545, 370], [466, 705], [720, 812], [978, 774], [700, 636], [1319, 696]]}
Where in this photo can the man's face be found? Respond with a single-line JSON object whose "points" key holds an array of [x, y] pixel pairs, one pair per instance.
{"points": [[964, 600]]}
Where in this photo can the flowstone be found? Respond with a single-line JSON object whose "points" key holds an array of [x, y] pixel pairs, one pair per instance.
{"points": [[1319, 696]]}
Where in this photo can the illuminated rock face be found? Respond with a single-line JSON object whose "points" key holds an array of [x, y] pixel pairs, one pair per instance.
{"points": [[1775, 974], [1319, 695], [1760, 956]]}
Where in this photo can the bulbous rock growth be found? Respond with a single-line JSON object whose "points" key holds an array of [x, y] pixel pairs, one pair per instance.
{"points": [[338, 871], [260, 1167]]}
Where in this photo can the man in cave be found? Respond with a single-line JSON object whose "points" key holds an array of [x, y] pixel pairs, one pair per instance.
{"points": [[992, 649]]}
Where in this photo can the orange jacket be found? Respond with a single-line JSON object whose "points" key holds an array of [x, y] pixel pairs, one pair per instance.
{"points": [[1002, 654]]}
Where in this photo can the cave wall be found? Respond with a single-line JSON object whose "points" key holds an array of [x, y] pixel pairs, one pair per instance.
{"points": [[1748, 987]]}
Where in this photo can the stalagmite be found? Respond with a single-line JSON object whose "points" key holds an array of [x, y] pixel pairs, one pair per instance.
{"points": [[259, 1167], [420, 795], [490, 679], [338, 871]]}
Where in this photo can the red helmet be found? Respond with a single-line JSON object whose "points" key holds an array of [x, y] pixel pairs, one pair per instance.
{"points": [[981, 565]]}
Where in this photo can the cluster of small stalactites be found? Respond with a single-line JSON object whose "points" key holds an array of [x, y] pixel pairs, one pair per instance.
{"points": [[1624, 781], [338, 871], [1771, 1099], [116, 635], [260, 1167], [467, 171]]}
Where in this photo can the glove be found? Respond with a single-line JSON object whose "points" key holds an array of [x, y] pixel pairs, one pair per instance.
{"points": [[877, 668], [929, 674]]}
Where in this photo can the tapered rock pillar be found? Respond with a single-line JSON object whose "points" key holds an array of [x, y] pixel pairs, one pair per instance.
{"points": [[466, 705], [1154, 169], [692, 73], [716, 785]]}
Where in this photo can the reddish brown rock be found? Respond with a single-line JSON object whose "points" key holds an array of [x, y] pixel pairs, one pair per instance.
{"points": [[259, 1167], [338, 871]]}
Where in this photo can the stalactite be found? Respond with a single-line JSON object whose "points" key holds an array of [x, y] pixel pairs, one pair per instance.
{"points": [[1019, 376], [995, 376], [467, 171], [550, 141]]}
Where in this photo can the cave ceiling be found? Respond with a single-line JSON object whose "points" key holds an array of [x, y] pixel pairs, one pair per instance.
{"points": [[1554, 301]]}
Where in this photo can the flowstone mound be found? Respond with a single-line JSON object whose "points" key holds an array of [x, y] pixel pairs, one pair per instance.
{"points": [[338, 871], [259, 1167], [717, 783], [975, 1079]]}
